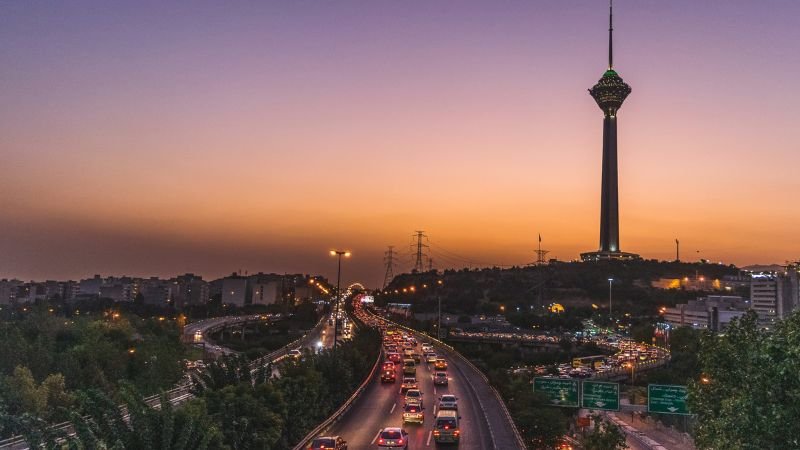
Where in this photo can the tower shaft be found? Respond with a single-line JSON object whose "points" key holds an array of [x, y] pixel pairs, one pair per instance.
{"points": [[609, 202]]}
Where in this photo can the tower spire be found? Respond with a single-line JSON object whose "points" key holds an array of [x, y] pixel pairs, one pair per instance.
{"points": [[610, 34]]}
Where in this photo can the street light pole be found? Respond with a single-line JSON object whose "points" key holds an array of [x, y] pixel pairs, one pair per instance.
{"points": [[338, 254], [439, 328], [610, 280]]}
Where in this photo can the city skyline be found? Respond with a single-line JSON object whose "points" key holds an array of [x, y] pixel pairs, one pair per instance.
{"points": [[174, 139]]}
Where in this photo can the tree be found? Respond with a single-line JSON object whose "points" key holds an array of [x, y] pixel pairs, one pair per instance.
{"points": [[749, 389], [605, 435], [101, 424], [250, 417], [24, 396]]}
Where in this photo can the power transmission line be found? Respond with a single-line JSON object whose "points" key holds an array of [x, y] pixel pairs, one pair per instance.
{"points": [[389, 260], [419, 264]]}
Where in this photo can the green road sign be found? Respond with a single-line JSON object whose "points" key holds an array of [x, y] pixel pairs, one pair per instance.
{"points": [[600, 395], [666, 399], [562, 392]]}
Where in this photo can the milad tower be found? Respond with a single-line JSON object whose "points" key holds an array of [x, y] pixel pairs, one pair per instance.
{"points": [[609, 93]]}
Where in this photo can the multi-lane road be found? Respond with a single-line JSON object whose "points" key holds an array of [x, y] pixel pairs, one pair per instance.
{"points": [[484, 423]]}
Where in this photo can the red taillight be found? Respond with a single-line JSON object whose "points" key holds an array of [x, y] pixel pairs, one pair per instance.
{"points": [[456, 432], [400, 442], [447, 427], [380, 441]]}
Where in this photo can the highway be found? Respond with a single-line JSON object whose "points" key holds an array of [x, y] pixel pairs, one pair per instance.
{"points": [[484, 424]]}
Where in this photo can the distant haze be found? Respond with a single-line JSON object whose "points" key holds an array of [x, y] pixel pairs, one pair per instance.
{"points": [[159, 137]]}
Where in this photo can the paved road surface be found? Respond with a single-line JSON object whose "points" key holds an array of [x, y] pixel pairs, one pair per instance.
{"points": [[381, 406]]}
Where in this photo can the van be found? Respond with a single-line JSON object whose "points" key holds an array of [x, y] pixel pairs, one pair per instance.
{"points": [[445, 427], [409, 367]]}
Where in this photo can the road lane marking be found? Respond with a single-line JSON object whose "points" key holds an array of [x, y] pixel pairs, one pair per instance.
{"points": [[428, 443], [393, 406], [375, 438]]}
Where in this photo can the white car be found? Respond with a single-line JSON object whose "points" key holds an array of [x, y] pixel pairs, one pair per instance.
{"points": [[414, 396], [392, 439], [448, 402], [296, 354]]}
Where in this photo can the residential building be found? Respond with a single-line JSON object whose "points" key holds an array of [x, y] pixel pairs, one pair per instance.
{"points": [[190, 289], [265, 293], [234, 290]]}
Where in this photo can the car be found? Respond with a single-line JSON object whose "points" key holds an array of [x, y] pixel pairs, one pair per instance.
{"points": [[409, 367], [408, 383], [413, 412], [430, 357], [448, 401], [414, 396], [445, 427], [440, 364], [388, 376], [394, 357], [388, 365], [426, 347], [440, 378], [392, 438], [296, 354], [328, 443], [391, 348], [416, 357]]}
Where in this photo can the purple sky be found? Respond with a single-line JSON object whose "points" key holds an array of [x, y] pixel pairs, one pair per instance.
{"points": [[162, 137]]}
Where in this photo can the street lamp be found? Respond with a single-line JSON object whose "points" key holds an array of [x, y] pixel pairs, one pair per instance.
{"points": [[610, 281], [338, 254]]}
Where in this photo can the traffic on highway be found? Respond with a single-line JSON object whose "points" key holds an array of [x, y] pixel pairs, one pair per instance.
{"points": [[418, 398]]}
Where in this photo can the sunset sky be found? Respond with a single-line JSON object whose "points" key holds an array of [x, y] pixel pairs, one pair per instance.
{"points": [[160, 137]]}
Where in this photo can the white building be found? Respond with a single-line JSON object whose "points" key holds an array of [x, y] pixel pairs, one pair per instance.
{"points": [[265, 293], [707, 313], [775, 295]]}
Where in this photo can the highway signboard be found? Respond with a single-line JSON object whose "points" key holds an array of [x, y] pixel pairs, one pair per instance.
{"points": [[561, 391], [667, 399], [600, 395]]}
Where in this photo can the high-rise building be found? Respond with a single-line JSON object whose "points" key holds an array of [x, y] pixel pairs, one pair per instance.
{"points": [[609, 93], [775, 295]]}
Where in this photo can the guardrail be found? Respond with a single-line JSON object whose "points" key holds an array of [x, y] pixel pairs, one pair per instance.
{"points": [[517, 435], [336, 416], [177, 395]]}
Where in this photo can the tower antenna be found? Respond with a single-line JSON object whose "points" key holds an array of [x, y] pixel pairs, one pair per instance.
{"points": [[610, 34]]}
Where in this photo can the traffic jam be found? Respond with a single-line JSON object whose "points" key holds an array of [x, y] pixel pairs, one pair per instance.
{"points": [[406, 362], [408, 365]]}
